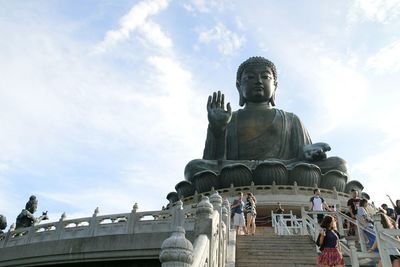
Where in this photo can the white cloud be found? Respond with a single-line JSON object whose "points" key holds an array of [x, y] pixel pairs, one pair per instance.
{"points": [[137, 19], [382, 11], [153, 33], [387, 60], [228, 42], [205, 6]]}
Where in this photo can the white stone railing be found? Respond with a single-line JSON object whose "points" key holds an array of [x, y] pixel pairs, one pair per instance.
{"points": [[210, 246], [267, 190], [124, 223], [286, 223], [387, 240]]}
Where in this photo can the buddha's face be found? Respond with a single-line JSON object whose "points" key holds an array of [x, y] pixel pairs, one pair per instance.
{"points": [[257, 83]]}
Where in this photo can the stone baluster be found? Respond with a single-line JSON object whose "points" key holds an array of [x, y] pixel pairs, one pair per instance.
{"points": [[339, 220], [135, 208], [303, 219], [361, 238], [274, 188], [132, 219], [335, 193], [63, 217], [353, 253], [232, 190], [226, 217], [176, 251], [93, 222], [60, 225], [295, 188], [216, 201], [378, 227], [178, 216]]}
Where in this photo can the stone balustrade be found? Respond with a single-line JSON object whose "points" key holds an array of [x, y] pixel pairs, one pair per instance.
{"points": [[271, 194], [115, 224]]}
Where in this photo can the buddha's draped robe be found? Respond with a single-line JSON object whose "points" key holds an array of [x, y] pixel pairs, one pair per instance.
{"points": [[282, 139]]}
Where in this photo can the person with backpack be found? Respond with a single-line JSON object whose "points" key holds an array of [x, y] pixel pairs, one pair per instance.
{"points": [[317, 203], [329, 244]]}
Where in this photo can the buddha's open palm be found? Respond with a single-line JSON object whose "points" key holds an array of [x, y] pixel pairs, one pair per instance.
{"points": [[218, 117]]}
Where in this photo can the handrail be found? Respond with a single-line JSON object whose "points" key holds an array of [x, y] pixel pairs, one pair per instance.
{"points": [[286, 223], [201, 249], [387, 239]]}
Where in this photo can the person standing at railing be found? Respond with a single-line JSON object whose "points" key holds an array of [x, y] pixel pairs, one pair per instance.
{"points": [[238, 214], [394, 253], [352, 204], [328, 241], [396, 210], [251, 213], [366, 221], [389, 211], [317, 203], [279, 211]]}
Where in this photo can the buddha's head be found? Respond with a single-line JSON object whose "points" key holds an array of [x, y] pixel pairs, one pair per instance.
{"points": [[256, 81], [31, 205]]}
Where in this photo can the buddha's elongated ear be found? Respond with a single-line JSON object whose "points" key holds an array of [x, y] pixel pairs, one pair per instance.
{"points": [[242, 100], [272, 101]]}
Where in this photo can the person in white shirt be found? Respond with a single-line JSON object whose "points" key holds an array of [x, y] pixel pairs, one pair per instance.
{"points": [[317, 203]]}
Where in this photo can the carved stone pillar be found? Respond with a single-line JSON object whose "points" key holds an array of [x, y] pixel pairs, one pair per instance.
{"points": [[203, 217]]}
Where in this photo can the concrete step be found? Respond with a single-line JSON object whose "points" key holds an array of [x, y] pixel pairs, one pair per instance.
{"points": [[274, 250]]}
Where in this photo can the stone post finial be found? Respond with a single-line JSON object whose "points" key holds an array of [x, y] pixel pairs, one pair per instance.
{"points": [[63, 216], [96, 211], [135, 208], [204, 208], [176, 250], [216, 200], [12, 227], [179, 204]]}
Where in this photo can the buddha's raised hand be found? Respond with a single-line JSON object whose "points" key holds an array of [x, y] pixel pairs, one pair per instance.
{"points": [[218, 117]]}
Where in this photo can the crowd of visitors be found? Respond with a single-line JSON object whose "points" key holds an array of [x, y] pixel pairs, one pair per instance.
{"points": [[359, 210]]}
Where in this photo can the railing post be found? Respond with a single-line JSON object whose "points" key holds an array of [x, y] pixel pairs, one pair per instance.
{"points": [[216, 201], [291, 219], [385, 257], [353, 253], [361, 237], [178, 215], [132, 219], [176, 251], [225, 241], [339, 220], [60, 226], [227, 221], [272, 218], [303, 221], [93, 222]]}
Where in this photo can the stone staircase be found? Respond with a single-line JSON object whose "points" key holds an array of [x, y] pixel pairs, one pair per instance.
{"points": [[267, 249]]}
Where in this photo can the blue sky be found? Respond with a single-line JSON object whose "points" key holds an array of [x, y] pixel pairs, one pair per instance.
{"points": [[102, 103]]}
